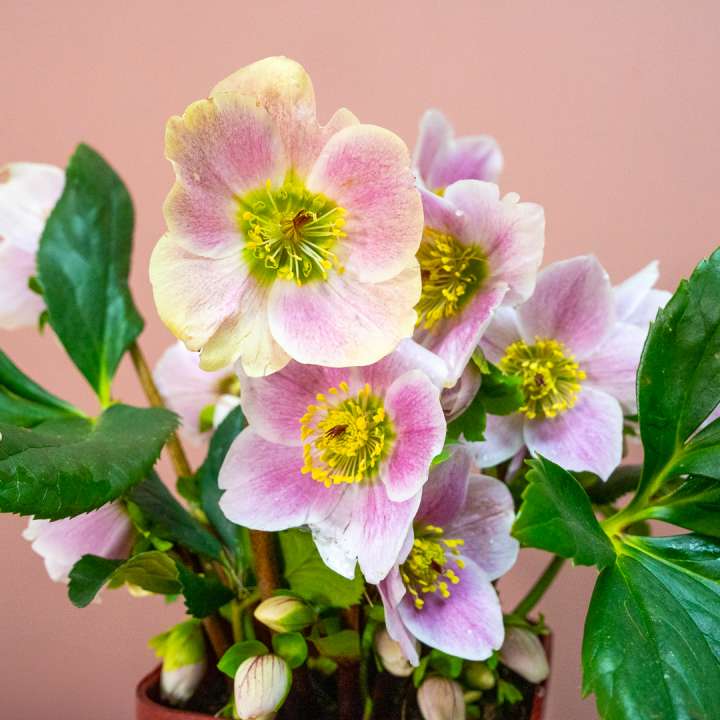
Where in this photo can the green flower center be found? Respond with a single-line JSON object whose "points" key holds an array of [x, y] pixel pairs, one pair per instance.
{"points": [[451, 274], [551, 378], [428, 568], [290, 232], [345, 437]]}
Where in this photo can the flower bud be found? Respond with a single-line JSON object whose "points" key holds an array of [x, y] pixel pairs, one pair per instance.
{"points": [[441, 699], [261, 685], [391, 654], [523, 653], [284, 613], [182, 650], [479, 676]]}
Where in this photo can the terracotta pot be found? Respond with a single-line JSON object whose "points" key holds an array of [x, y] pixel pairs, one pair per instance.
{"points": [[147, 708]]}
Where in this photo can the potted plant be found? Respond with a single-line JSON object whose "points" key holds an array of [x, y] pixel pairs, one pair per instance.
{"points": [[394, 398]]}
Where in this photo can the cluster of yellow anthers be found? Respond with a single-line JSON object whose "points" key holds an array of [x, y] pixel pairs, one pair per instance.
{"points": [[451, 274], [551, 378], [345, 437], [426, 568], [290, 232]]}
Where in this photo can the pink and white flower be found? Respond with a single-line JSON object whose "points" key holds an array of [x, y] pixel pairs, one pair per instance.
{"points": [[578, 364], [637, 300], [201, 398], [28, 192], [343, 451], [441, 590], [107, 532], [479, 252], [440, 159], [286, 239]]}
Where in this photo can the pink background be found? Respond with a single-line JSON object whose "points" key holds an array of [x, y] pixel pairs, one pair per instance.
{"points": [[608, 115]]}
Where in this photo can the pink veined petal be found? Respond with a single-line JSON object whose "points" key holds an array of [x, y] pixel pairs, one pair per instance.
{"points": [[220, 148], [413, 405], [468, 624], [392, 592], [586, 437], [503, 439], [265, 489], [275, 404], [631, 292], [475, 157], [19, 305], [572, 303], [502, 332], [435, 132], [484, 524], [187, 389], [343, 322], [613, 366], [407, 356], [445, 492], [455, 339], [285, 90], [366, 170], [366, 527]]}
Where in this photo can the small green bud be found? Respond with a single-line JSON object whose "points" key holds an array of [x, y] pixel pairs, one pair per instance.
{"points": [[479, 676], [291, 647], [285, 613]]}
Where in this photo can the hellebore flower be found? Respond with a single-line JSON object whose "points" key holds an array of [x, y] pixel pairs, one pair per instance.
{"points": [[28, 192], [440, 159], [577, 364], [344, 451], [286, 239], [441, 699], [523, 653], [441, 591], [202, 399], [637, 301], [106, 532], [478, 252], [391, 655], [261, 685], [182, 650]]}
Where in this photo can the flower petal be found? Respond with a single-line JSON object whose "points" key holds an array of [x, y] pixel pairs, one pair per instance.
{"points": [[275, 404], [435, 132], [630, 293], [613, 366], [502, 332], [19, 305], [366, 170], [572, 303], [586, 437], [648, 309], [484, 525], [445, 492], [413, 405], [264, 488], [503, 439], [392, 592], [468, 624], [343, 322]]}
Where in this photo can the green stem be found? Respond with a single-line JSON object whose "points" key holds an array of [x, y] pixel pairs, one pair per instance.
{"points": [[536, 592]]}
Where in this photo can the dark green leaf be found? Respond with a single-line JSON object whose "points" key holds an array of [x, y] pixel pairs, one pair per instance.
{"points": [[236, 655], [166, 518], [343, 645], [208, 473], [501, 394], [88, 576], [679, 374], [652, 636], [203, 595], [23, 402], [447, 665], [83, 263], [471, 424], [695, 505], [311, 578], [67, 467], [556, 515]]}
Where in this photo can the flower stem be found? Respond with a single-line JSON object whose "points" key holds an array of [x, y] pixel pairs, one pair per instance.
{"points": [[266, 565], [536, 592]]}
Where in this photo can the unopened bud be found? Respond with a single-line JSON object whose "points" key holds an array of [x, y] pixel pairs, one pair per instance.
{"points": [[261, 685], [479, 676], [391, 655], [441, 699], [182, 650], [523, 653], [285, 613]]}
